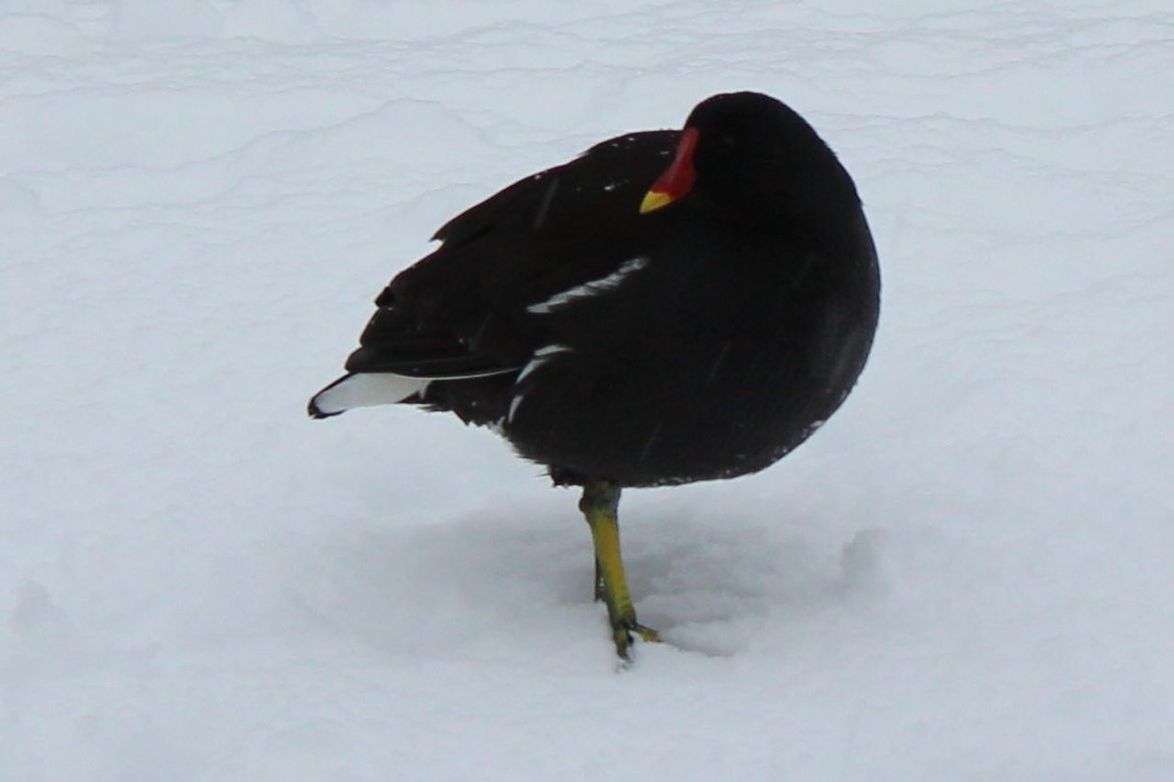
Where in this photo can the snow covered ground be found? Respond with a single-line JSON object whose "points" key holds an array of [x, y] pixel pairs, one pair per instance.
{"points": [[966, 575]]}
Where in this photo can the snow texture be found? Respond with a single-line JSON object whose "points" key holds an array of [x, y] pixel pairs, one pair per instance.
{"points": [[965, 575]]}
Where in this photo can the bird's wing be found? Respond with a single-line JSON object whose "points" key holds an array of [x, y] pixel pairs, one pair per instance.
{"points": [[470, 308], [480, 305]]}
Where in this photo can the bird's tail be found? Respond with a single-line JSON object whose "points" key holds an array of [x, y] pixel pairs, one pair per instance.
{"points": [[365, 389]]}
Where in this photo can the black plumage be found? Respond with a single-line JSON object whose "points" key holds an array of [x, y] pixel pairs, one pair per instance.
{"points": [[701, 334]]}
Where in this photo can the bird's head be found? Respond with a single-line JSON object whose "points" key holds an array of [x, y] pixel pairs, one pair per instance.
{"points": [[755, 160]]}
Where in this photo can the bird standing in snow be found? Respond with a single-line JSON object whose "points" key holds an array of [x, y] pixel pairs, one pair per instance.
{"points": [[672, 306]]}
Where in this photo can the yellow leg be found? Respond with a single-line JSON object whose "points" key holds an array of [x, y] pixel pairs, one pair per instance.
{"points": [[600, 504]]}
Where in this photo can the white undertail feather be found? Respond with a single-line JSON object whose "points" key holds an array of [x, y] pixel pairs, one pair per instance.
{"points": [[367, 390]]}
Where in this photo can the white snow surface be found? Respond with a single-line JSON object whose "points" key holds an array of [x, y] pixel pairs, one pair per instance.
{"points": [[965, 575]]}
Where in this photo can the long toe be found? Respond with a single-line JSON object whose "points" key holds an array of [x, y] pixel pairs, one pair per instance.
{"points": [[622, 635]]}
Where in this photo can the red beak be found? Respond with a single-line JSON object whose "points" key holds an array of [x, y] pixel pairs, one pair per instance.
{"points": [[677, 180]]}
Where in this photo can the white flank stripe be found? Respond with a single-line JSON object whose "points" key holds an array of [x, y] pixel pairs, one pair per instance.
{"points": [[517, 400], [540, 359], [587, 289]]}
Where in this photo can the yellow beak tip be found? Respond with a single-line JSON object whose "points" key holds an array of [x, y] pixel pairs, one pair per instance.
{"points": [[653, 201]]}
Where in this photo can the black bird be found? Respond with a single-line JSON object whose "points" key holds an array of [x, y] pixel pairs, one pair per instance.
{"points": [[671, 306]]}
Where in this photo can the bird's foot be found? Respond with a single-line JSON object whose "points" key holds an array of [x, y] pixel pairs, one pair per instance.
{"points": [[622, 635]]}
